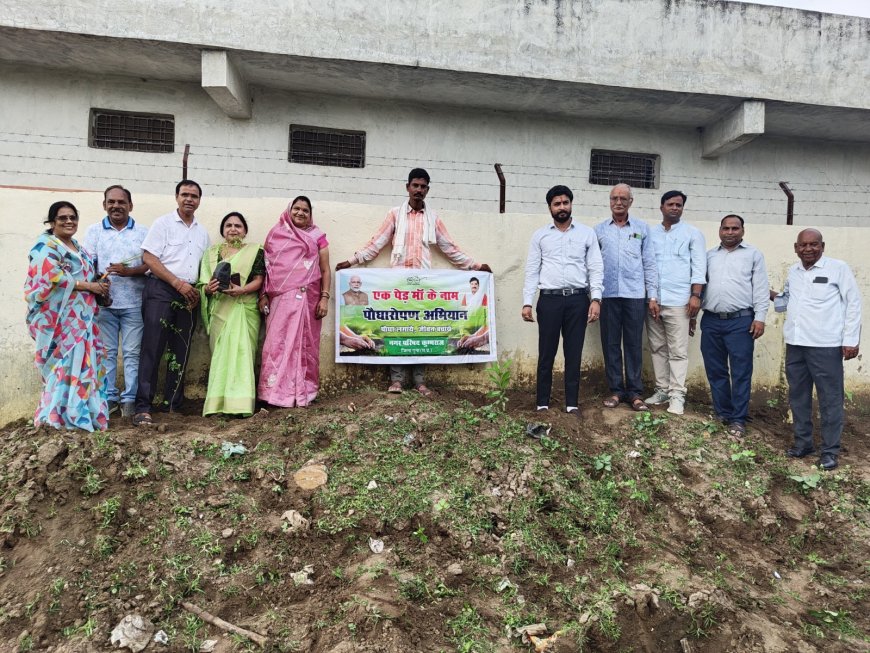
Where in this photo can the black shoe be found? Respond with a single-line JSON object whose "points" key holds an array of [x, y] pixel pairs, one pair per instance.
{"points": [[828, 462], [113, 407], [794, 452]]}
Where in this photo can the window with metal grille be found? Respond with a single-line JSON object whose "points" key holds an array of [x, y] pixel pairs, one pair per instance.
{"points": [[327, 147], [125, 130], [609, 168]]}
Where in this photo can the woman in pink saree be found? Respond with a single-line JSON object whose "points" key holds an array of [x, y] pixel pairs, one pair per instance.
{"points": [[294, 299]]}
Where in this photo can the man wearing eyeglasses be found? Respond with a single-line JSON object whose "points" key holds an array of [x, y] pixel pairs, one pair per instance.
{"points": [[630, 288]]}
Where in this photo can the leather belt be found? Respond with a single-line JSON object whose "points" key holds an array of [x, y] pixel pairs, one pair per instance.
{"points": [[743, 312], [564, 292]]}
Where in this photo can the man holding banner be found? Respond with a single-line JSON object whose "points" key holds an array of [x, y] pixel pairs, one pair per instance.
{"points": [[565, 265], [411, 228]]}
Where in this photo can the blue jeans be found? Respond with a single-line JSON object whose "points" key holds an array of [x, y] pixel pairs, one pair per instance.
{"points": [[622, 321], [727, 348], [126, 323]]}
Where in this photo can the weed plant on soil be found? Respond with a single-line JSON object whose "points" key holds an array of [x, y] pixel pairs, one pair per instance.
{"points": [[622, 531]]}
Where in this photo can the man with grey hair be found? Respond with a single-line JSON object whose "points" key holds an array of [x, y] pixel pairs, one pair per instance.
{"points": [[354, 296], [630, 288], [822, 329]]}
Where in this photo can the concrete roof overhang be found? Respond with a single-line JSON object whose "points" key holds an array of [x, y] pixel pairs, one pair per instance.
{"points": [[180, 62]]}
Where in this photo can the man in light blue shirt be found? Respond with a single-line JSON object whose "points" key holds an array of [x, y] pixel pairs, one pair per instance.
{"points": [[564, 267], [682, 265], [735, 307], [115, 243], [630, 278], [822, 329]]}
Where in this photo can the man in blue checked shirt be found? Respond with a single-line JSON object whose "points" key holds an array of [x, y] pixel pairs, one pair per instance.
{"points": [[822, 329], [682, 264], [115, 243], [564, 268], [630, 288]]}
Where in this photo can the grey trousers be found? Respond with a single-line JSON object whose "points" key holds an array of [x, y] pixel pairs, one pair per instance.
{"points": [[400, 373], [821, 367]]}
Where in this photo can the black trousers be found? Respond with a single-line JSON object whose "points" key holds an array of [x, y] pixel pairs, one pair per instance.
{"points": [[566, 316], [167, 324]]}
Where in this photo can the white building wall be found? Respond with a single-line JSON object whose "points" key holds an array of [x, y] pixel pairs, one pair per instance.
{"points": [[44, 133], [501, 241]]}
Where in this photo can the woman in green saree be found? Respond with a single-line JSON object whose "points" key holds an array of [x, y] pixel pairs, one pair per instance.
{"points": [[231, 319]]}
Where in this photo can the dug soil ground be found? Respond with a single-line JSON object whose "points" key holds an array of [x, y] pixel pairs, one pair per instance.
{"points": [[443, 525]]}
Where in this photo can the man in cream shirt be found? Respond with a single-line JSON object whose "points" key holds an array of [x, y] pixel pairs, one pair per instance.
{"points": [[172, 251]]}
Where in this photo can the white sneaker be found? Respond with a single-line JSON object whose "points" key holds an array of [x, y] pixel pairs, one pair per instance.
{"points": [[658, 398], [675, 407]]}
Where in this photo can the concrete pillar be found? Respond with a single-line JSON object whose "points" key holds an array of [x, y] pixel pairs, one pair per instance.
{"points": [[739, 127], [223, 81]]}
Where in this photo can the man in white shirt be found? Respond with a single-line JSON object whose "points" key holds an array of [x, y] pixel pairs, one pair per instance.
{"points": [[115, 243], [172, 251], [565, 269], [822, 329]]}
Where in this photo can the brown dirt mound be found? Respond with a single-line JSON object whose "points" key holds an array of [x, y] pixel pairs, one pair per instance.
{"points": [[624, 532]]}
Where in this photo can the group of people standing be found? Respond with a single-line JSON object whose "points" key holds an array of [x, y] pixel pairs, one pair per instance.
{"points": [[629, 274], [152, 285], [145, 289]]}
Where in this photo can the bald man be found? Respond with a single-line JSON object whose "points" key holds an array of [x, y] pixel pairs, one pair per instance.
{"points": [[630, 289], [822, 329]]}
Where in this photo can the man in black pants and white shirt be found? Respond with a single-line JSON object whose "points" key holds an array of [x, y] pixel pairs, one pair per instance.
{"points": [[172, 251], [565, 265]]}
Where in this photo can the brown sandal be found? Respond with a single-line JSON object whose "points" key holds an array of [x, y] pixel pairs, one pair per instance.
{"points": [[637, 404], [611, 402], [142, 419]]}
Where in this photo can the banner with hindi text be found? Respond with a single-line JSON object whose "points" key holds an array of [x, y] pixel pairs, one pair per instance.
{"points": [[405, 315]]}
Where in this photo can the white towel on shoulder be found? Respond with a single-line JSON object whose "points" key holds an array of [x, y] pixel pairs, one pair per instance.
{"points": [[398, 255]]}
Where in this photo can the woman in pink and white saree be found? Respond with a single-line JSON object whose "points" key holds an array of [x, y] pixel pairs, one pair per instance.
{"points": [[294, 299]]}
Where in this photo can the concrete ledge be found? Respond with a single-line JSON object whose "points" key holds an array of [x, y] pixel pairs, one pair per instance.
{"points": [[223, 81], [738, 128]]}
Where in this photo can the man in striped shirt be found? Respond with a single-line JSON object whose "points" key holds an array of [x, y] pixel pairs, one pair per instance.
{"points": [[410, 229]]}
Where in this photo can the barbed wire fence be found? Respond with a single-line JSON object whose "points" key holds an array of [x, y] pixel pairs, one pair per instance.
{"points": [[457, 184]]}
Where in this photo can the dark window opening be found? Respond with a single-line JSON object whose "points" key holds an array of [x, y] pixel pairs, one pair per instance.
{"points": [[138, 132], [327, 147], [609, 168]]}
